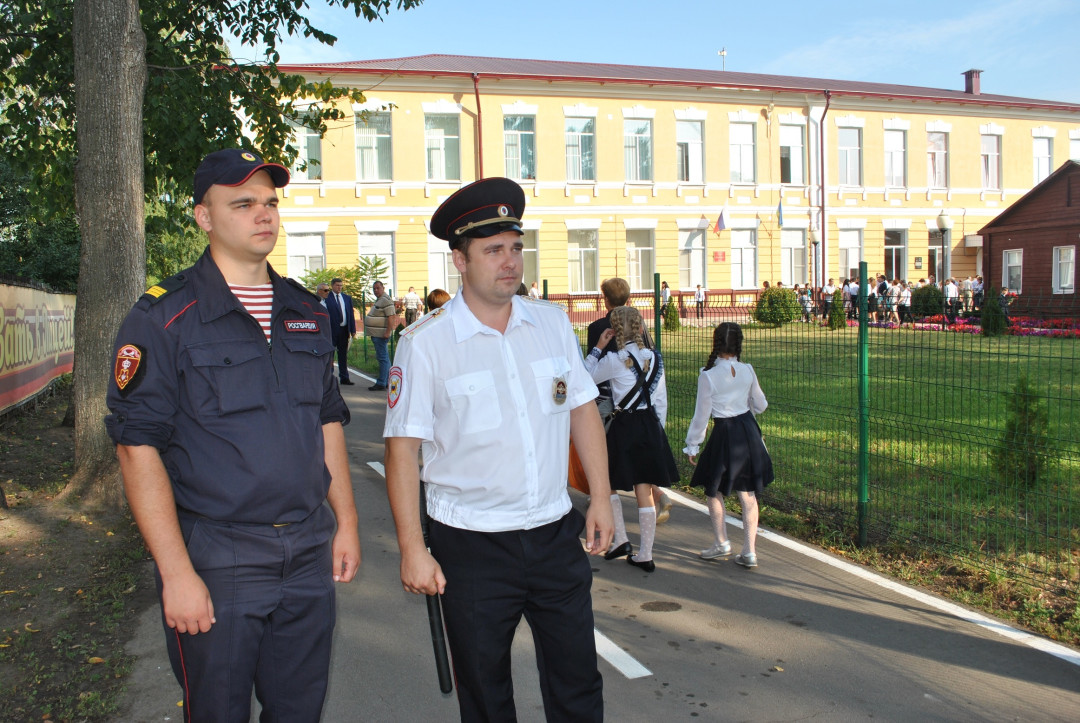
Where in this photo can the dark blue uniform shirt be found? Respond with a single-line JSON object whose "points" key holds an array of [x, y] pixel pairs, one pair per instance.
{"points": [[238, 422]]}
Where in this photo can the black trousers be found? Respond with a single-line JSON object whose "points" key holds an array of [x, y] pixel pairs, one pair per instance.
{"points": [[273, 595], [492, 579], [342, 345]]}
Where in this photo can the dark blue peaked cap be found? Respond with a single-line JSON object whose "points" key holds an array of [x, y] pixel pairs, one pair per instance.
{"points": [[481, 209]]}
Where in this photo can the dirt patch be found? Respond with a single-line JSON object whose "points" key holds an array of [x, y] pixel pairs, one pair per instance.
{"points": [[69, 580]]}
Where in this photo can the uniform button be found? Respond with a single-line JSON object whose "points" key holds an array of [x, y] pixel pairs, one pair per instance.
{"points": [[228, 360], [472, 388]]}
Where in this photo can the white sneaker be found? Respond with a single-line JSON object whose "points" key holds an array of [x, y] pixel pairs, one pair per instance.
{"points": [[717, 551], [746, 560]]}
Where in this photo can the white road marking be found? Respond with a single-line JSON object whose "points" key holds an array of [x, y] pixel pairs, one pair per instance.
{"points": [[1007, 631], [621, 660]]}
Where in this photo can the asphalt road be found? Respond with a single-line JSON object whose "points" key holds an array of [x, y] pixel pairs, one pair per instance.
{"points": [[804, 636]]}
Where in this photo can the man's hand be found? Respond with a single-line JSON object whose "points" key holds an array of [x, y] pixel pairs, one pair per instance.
{"points": [[421, 574], [346, 554], [187, 605], [605, 338], [599, 525]]}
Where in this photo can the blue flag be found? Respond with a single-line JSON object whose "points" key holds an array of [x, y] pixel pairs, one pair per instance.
{"points": [[780, 213]]}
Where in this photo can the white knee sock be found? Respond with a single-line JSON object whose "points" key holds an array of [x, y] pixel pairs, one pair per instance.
{"points": [[647, 522], [620, 524], [716, 514]]}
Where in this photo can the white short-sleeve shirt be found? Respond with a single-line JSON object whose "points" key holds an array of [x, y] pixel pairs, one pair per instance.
{"points": [[493, 412]]}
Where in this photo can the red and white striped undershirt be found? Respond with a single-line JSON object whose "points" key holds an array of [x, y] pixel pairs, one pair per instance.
{"points": [[258, 300]]}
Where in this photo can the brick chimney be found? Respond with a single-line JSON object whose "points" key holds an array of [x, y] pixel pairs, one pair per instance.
{"points": [[971, 81]]}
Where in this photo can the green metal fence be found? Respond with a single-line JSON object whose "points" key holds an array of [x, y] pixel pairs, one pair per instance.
{"points": [[936, 403]]}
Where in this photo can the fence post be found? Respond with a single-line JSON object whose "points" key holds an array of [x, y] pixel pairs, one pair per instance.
{"points": [[545, 290], [656, 309], [864, 406]]}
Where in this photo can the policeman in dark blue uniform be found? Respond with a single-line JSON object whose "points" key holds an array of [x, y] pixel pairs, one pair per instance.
{"points": [[228, 425]]}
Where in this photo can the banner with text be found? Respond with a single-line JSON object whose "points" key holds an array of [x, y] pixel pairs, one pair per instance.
{"points": [[37, 341]]}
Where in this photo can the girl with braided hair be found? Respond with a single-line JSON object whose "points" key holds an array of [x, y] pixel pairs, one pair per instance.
{"points": [[735, 457], [639, 455]]}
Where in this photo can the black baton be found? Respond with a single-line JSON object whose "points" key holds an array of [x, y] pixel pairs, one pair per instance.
{"points": [[434, 612]]}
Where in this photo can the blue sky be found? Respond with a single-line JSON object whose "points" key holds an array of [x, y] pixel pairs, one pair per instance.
{"points": [[1027, 48]]}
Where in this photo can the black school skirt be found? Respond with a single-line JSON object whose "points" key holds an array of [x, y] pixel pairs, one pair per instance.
{"points": [[638, 452], [734, 458]]}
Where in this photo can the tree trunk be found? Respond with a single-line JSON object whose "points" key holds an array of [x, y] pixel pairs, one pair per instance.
{"points": [[110, 81]]}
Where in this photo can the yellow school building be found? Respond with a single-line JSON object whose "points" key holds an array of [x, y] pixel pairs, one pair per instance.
{"points": [[719, 179]]}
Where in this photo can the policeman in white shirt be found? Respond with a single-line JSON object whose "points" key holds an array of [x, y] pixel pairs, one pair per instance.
{"points": [[492, 386]]}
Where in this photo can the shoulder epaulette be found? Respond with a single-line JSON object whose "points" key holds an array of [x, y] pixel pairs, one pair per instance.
{"points": [[423, 321], [544, 302], [160, 290], [294, 283]]}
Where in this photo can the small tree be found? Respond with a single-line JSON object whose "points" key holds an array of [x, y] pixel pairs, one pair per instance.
{"points": [[993, 320], [671, 317], [1025, 444], [837, 313], [777, 306], [356, 280], [927, 300]]}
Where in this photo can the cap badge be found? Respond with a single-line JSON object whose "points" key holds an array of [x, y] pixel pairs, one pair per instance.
{"points": [[248, 156], [558, 390], [504, 211]]}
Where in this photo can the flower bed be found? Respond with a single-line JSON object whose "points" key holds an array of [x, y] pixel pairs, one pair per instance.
{"points": [[1018, 326]]}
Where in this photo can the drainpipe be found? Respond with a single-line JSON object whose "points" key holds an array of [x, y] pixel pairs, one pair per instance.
{"points": [[479, 126], [821, 184]]}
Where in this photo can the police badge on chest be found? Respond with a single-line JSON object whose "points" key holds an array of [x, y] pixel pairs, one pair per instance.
{"points": [[558, 390]]}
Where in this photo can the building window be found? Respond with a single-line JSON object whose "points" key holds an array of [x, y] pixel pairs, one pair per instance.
{"points": [[442, 274], [937, 159], [743, 167], [580, 149], [639, 259], [849, 243], [1064, 269], [692, 250], [895, 254], [637, 149], [308, 164], [442, 137], [305, 254], [1043, 150], [371, 245], [991, 162], [895, 159], [743, 259], [1012, 266], [530, 258], [792, 155], [935, 255], [519, 140], [793, 256], [373, 147], [849, 144], [1074, 149], [690, 151], [583, 247]]}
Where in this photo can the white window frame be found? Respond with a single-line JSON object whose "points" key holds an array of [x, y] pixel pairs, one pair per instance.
{"points": [[849, 242], [1042, 157], [690, 151], [793, 267], [895, 157], [442, 148], [1064, 271], [849, 158], [305, 251], [589, 255], [937, 162], [640, 258], [1074, 145], [381, 243], [744, 262], [990, 162], [743, 152], [442, 274], [373, 146], [580, 146], [796, 154], [308, 143], [1018, 265], [637, 149], [515, 144], [693, 257], [530, 256]]}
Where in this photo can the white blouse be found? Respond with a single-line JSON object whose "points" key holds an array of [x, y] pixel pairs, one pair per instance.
{"points": [[612, 367], [729, 389]]}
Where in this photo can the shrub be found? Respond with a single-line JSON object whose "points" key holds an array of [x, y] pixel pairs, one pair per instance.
{"points": [[1025, 444], [993, 320], [671, 317], [927, 300], [777, 306], [837, 313]]}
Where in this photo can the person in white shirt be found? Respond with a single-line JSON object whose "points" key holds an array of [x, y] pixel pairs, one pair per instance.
{"points": [[413, 304], [827, 292], [534, 291], [699, 300], [735, 458], [639, 455], [952, 299], [492, 386]]}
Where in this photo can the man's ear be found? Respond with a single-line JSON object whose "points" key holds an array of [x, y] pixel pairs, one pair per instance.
{"points": [[460, 260], [202, 217]]}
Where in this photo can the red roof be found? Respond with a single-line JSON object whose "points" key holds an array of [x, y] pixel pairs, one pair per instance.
{"points": [[512, 68]]}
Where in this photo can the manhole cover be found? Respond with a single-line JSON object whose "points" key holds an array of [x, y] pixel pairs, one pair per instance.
{"points": [[661, 607]]}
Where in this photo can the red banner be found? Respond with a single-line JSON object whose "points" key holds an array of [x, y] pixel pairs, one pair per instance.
{"points": [[37, 341]]}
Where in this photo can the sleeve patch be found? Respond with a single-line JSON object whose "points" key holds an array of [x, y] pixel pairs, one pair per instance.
{"points": [[128, 368], [393, 393]]}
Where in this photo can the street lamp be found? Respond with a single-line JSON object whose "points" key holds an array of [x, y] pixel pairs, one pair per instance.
{"points": [[815, 239], [944, 224]]}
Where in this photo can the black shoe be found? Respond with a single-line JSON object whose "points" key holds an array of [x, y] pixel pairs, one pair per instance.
{"points": [[347, 381], [647, 565], [620, 551], [376, 388]]}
